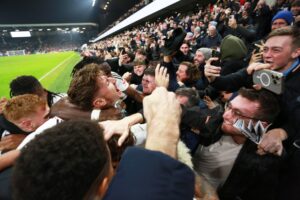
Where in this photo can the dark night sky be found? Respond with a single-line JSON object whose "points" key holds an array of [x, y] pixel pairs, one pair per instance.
{"points": [[47, 11], [61, 11]]}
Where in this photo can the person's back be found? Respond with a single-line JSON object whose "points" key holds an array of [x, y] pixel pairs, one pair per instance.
{"points": [[71, 173]]}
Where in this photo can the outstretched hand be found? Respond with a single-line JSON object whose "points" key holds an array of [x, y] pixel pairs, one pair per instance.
{"points": [[161, 77], [163, 113]]}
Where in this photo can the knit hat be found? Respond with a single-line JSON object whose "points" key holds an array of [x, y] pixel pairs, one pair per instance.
{"points": [[206, 52], [232, 48], [284, 14]]}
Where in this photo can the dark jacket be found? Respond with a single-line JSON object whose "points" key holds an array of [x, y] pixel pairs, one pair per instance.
{"points": [[233, 51], [114, 64], [252, 176], [144, 174], [212, 42], [288, 119]]}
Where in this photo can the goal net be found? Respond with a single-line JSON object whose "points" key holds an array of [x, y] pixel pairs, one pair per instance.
{"points": [[16, 52]]}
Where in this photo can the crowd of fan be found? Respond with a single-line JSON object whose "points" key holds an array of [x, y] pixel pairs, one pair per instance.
{"points": [[183, 89], [131, 11]]}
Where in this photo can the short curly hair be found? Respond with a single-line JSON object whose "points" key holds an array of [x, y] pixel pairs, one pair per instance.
{"points": [[64, 162], [23, 106]]}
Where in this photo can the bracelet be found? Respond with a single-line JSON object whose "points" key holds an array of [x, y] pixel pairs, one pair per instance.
{"points": [[95, 115]]}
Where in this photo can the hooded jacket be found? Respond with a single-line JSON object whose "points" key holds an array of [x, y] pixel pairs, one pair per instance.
{"points": [[233, 52]]}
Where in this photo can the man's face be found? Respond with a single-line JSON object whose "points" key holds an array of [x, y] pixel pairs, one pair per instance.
{"points": [[278, 23], [107, 90], [212, 31], [181, 73], [184, 48], [125, 59], [295, 10], [239, 108], [278, 52], [148, 84], [139, 69], [183, 100], [37, 119], [199, 58]]}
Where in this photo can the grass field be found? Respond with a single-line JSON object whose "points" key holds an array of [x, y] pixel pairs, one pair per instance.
{"points": [[52, 69]]}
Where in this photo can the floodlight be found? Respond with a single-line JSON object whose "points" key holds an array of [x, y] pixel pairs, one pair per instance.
{"points": [[15, 34]]}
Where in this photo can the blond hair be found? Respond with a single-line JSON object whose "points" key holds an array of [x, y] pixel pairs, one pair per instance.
{"points": [[22, 106]]}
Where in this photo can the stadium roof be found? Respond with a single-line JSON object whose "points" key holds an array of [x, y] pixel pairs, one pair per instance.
{"points": [[47, 25]]}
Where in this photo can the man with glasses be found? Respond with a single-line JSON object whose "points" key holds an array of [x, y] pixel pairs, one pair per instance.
{"points": [[231, 164], [280, 53]]}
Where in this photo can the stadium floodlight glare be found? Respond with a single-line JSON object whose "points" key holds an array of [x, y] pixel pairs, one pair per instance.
{"points": [[94, 2], [20, 34]]}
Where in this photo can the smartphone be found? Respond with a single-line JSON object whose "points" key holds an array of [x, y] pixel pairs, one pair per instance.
{"points": [[270, 80], [216, 54]]}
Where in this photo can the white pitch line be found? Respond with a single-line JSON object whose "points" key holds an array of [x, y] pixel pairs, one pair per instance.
{"points": [[57, 66]]}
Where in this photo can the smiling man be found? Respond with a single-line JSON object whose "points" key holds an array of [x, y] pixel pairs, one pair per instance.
{"points": [[230, 163], [281, 53]]}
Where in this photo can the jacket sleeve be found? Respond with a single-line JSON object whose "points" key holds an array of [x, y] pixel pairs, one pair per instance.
{"points": [[173, 85], [233, 82]]}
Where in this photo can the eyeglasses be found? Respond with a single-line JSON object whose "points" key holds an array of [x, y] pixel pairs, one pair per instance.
{"points": [[237, 113], [297, 144]]}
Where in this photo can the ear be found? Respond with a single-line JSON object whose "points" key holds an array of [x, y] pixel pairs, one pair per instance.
{"points": [[99, 103], [296, 53], [26, 125], [102, 187]]}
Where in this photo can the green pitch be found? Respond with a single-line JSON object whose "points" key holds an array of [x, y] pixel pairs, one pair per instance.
{"points": [[52, 69]]}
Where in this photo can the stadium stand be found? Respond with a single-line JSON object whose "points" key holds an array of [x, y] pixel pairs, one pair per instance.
{"points": [[45, 38]]}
